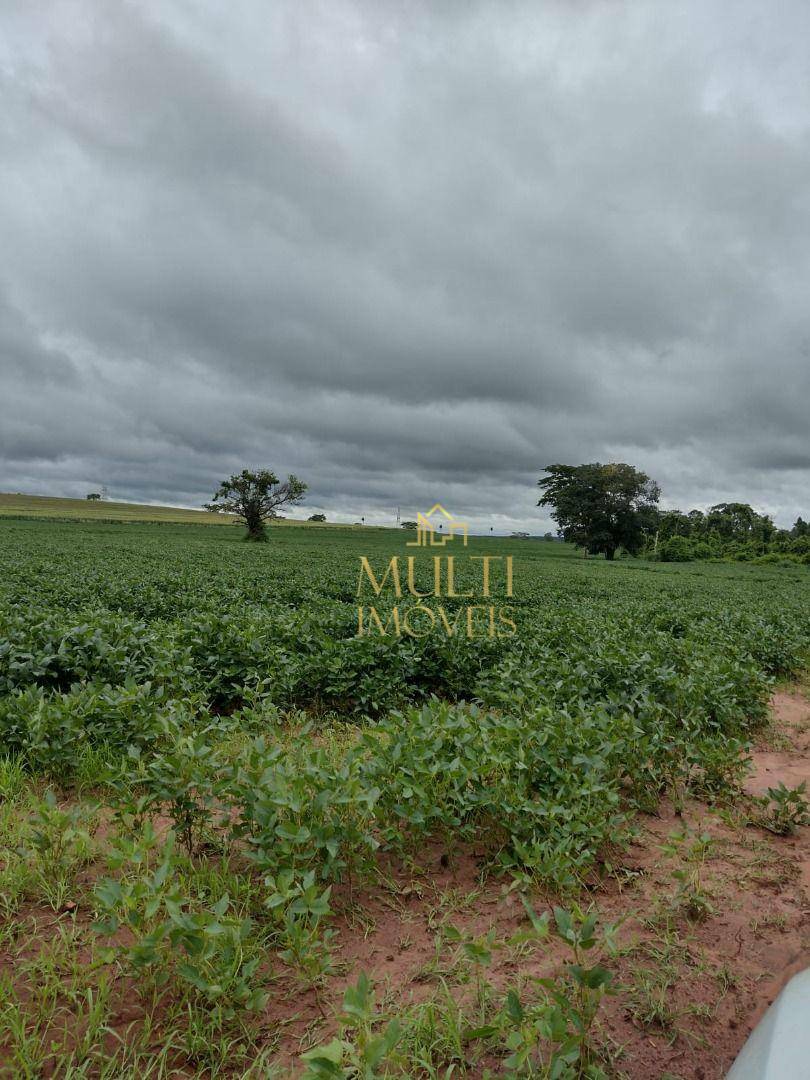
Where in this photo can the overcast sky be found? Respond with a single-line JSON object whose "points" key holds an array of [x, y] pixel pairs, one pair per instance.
{"points": [[408, 251]]}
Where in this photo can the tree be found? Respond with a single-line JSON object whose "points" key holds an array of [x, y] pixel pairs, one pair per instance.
{"points": [[409, 525], [731, 521], [317, 517], [673, 523], [601, 507], [697, 522], [95, 496], [255, 498], [739, 523]]}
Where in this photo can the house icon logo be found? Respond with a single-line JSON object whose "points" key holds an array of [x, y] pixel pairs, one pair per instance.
{"points": [[436, 527]]}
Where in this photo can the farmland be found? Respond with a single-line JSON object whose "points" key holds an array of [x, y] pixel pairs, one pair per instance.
{"points": [[224, 812], [45, 507]]}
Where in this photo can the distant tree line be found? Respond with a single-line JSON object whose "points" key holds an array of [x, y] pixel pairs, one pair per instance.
{"points": [[727, 531], [610, 508], [603, 508]]}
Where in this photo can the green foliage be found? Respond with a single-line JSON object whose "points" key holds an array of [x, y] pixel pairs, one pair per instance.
{"points": [[177, 941], [551, 1035], [727, 530], [300, 907], [57, 836], [223, 692], [358, 1052], [600, 507], [255, 498], [691, 897], [547, 1033], [548, 785], [55, 842], [50, 730], [182, 779], [677, 549], [612, 692], [300, 810], [783, 809]]}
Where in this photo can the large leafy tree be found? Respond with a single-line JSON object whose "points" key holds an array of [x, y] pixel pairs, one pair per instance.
{"points": [[739, 522], [255, 498], [601, 507]]}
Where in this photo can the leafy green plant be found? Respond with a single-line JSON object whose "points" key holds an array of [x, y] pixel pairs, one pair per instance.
{"points": [[176, 941], [300, 907], [477, 951], [359, 1051], [693, 849], [302, 809], [783, 810], [183, 778], [555, 1033], [58, 841], [59, 836]]}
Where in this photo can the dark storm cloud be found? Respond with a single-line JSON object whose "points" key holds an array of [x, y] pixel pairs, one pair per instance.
{"points": [[407, 251]]}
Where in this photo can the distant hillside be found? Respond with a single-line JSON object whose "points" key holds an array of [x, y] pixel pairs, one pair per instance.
{"points": [[41, 506]]}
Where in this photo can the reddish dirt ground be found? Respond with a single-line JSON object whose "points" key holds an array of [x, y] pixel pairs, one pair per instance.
{"points": [[714, 978], [689, 992], [719, 974]]}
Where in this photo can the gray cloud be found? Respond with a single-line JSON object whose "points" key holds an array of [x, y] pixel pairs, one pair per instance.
{"points": [[407, 251]]}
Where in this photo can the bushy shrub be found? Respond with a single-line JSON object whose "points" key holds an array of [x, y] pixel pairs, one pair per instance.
{"points": [[775, 558], [676, 549]]}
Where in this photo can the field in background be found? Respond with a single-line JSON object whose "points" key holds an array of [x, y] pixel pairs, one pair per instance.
{"points": [[218, 806], [42, 506], [53, 509]]}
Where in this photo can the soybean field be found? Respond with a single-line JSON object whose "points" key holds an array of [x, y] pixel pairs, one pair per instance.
{"points": [[224, 810]]}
